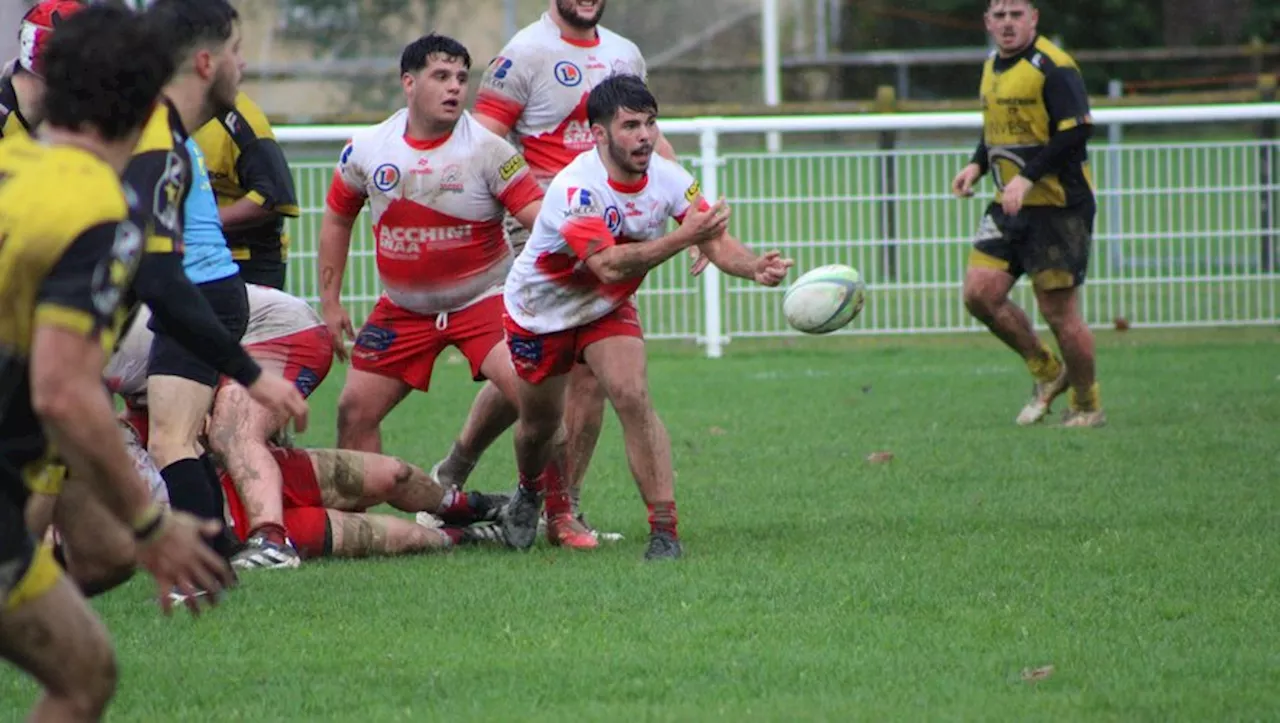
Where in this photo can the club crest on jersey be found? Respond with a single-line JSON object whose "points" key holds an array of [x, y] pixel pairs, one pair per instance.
{"points": [[451, 178], [568, 74], [613, 219], [385, 177]]}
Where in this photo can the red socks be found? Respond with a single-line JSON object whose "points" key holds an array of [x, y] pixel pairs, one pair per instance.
{"points": [[662, 518]]}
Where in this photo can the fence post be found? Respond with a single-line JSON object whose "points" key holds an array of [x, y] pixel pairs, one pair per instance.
{"points": [[1266, 162], [1115, 136], [712, 320], [886, 102]]}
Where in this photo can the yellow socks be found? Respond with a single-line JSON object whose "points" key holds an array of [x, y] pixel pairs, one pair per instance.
{"points": [[1045, 367], [1090, 401]]}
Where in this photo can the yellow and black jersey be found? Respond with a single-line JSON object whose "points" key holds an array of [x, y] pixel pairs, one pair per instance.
{"points": [[160, 174], [12, 123], [244, 161], [1028, 101], [68, 254]]}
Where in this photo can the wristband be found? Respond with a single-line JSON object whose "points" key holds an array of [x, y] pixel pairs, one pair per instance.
{"points": [[147, 525]]}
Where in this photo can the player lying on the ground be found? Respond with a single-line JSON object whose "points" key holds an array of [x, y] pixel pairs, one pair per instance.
{"points": [[327, 497], [286, 337]]}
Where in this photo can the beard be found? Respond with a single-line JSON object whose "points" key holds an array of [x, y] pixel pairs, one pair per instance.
{"points": [[624, 160], [568, 12], [225, 88]]}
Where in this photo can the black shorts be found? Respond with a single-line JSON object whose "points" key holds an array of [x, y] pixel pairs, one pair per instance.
{"points": [[263, 272], [16, 545], [1049, 244], [230, 302]]}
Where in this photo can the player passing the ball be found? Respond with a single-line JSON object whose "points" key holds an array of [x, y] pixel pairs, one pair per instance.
{"points": [[569, 299], [1036, 125]]}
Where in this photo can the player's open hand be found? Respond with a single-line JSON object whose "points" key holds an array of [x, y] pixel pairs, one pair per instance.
{"points": [[706, 224], [771, 269], [338, 322], [962, 185], [181, 561], [1014, 193], [280, 397]]}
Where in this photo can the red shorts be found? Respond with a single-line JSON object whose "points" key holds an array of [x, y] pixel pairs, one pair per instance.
{"points": [[403, 344], [305, 519], [538, 357], [303, 357]]}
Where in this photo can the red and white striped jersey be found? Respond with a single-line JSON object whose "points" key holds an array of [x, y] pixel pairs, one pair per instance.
{"points": [[273, 314], [550, 287], [538, 87], [437, 209]]}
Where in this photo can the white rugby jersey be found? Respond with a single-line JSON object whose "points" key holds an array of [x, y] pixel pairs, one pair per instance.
{"points": [[437, 209], [273, 314], [538, 87], [550, 287]]}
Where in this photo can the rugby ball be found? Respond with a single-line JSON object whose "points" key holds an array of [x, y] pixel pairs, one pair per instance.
{"points": [[824, 299]]}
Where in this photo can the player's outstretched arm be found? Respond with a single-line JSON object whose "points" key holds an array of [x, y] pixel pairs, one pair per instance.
{"points": [[613, 263], [335, 245], [732, 257]]}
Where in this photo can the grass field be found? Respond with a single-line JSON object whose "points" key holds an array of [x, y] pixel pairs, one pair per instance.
{"points": [[1141, 561]]}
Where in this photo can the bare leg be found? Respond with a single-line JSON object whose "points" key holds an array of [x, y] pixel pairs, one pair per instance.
{"points": [[238, 431], [366, 400], [1061, 310], [492, 413], [99, 550], [619, 363], [583, 418], [355, 481], [358, 534], [56, 638], [986, 295]]}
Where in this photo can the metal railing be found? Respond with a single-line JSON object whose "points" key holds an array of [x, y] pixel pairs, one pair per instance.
{"points": [[1185, 236]]}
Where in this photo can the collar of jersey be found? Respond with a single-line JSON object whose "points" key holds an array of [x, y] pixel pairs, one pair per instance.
{"points": [[630, 188], [418, 144], [1002, 63]]}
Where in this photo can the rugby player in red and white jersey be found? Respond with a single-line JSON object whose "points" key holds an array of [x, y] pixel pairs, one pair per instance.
{"points": [[536, 92], [437, 184], [285, 336], [569, 298]]}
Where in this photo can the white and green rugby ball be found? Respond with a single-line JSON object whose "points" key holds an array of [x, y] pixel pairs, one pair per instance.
{"points": [[824, 299]]}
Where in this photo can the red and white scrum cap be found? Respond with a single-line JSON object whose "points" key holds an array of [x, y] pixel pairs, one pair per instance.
{"points": [[37, 29]]}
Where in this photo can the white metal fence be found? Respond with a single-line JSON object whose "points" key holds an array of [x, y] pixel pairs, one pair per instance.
{"points": [[1186, 233]]}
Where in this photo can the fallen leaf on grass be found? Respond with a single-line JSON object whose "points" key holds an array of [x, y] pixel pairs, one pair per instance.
{"points": [[879, 457], [716, 431], [1032, 675]]}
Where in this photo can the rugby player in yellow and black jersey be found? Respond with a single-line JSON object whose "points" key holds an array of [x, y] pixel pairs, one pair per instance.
{"points": [[1036, 125], [254, 188], [67, 255]]}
